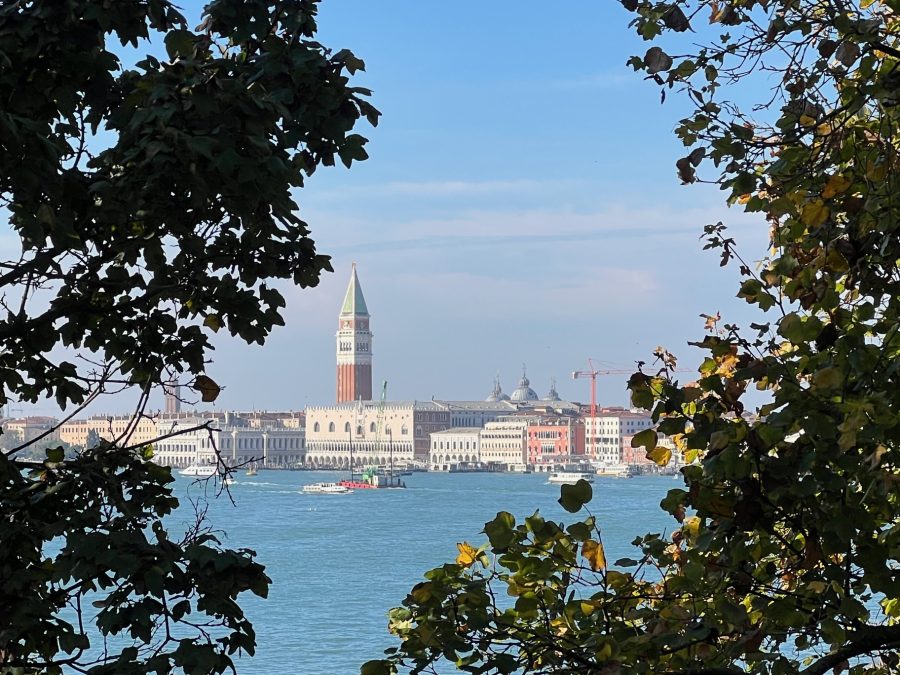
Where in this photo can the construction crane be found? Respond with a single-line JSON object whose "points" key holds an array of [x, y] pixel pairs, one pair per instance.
{"points": [[380, 423], [593, 373]]}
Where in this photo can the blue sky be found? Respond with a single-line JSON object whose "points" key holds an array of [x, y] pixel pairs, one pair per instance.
{"points": [[520, 205]]}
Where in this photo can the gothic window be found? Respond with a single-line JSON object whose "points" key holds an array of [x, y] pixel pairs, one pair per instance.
{"points": [[346, 427], [372, 428], [359, 430], [316, 426], [331, 426], [403, 430]]}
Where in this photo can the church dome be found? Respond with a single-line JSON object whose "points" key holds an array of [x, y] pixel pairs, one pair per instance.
{"points": [[497, 393], [552, 395], [524, 392]]}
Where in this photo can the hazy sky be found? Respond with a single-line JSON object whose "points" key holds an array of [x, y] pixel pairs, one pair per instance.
{"points": [[520, 205]]}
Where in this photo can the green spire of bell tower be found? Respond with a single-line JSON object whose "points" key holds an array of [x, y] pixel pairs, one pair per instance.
{"points": [[354, 302]]}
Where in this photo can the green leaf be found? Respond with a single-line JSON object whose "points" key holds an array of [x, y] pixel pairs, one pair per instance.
{"points": [[55, 455], [377, 667], [574, 497], [656, 60], [648, 438], [500, 530], [179, 43]]}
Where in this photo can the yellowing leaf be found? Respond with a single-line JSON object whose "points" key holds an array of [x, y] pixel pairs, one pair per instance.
{"points": [[209, 390], [691, 527], [727, 364], [467, 554], [213, 321], [660, 455], [593, 553], [835, 186], [814, 213], [743, 199], [807, 121]]}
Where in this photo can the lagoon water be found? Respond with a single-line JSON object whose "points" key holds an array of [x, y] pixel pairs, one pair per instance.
{"points": [[339, 562]]}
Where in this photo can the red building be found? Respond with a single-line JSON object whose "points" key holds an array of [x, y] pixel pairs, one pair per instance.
{"points": [[554, 440]]}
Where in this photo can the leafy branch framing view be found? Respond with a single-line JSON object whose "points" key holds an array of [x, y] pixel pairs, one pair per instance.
{"points": [[153, 206]]}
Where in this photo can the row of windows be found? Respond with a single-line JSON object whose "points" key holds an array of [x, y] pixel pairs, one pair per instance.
{"points": [[348, 346], [451, 445], [359, 429], [546, 434]]}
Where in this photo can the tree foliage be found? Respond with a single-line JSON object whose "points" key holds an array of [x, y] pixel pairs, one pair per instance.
{"points": [[151, 199], [785, 557]]}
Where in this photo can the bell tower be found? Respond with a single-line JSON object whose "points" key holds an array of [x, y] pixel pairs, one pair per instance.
{"points": [[354, 346]]}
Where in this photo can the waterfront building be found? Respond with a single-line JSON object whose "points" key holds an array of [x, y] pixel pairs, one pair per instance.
{"points": [[127, 430], [397, 431], [503, 445], [123, 429], [476, 413], [240, 439], [605, 434], [27, 429], [555, 441], [354, 346], [455, 448]]}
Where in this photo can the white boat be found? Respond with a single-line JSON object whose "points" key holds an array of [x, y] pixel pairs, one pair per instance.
{"points": [[199, 470], [570, 477], [616, 470], [326, 489]]}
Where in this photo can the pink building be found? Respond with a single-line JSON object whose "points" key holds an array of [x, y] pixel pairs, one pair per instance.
{"points": [[554, 440]]}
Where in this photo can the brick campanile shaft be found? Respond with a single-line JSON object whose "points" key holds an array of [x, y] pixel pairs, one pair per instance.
{"points": [[354, 346]]}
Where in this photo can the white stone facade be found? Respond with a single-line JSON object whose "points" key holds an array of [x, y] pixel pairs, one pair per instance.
{"points": [[238, 443], [503, 445], [455, 447], [333, 432], [605, 434]]}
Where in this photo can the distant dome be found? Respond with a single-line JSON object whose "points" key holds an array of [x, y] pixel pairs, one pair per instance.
{"points": [[552, 395], [524, 392], [497, 393]]}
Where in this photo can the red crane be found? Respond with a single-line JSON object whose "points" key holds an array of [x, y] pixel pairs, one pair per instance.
{"points": [[593, 373]]}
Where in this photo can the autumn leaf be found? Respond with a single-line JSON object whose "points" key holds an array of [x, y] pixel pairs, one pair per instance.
{"points": [[660, 455], [835, 186], [467, 554], [593, 553], [814, 213], [213, 321], [209, 390]]}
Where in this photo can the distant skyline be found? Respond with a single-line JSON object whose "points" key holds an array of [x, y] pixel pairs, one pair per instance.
{"points": [[520, 205]]}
